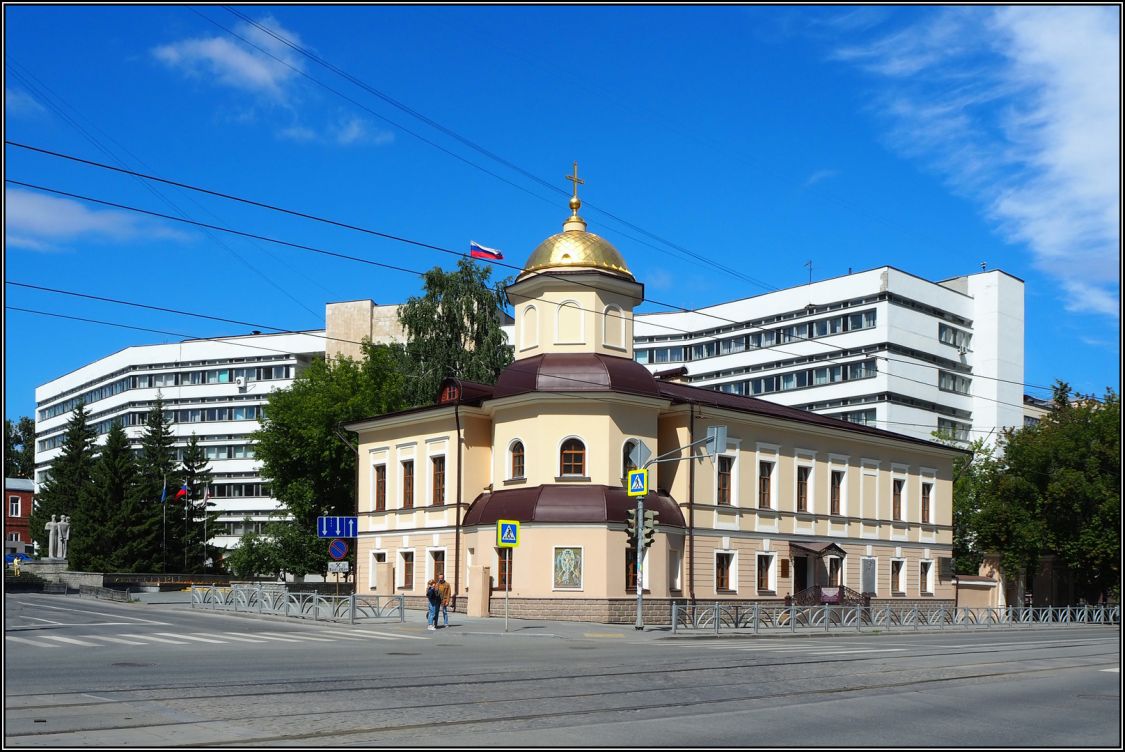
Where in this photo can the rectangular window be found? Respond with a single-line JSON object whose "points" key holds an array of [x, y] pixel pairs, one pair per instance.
{"points": [[896, 578], [504, 569], [834, 571], [438, 475], [438, 558], [837, 486], [764, 564], [13, 506], [896, 499], [924, 584], [380, 488], [408, 484], [927, 488], [407, 570], [803, 474], [630, 570], [765, 470], [726, 466], [722, 572]]}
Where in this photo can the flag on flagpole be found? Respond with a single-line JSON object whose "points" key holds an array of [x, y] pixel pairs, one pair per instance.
{"points": [[164, 492], [476, 250], [184, 491]]}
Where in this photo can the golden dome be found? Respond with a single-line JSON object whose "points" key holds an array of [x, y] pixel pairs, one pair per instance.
{"points": [[574, 247]]}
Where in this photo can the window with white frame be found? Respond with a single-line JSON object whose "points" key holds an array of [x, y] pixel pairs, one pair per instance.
{"points": [[675, 568], [405, 575], [766, 481], [377, 558], [767, 576], [516, 461], [627, 463], [379, 487], [898, 577], [897, 487], [927, 493], [437, 479], [726, 574], [835, 566], [13, 506], [837, 490], [926, 577], [572, 458], [804, 485]]}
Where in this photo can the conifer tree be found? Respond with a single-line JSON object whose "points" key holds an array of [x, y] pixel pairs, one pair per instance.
{"points": [[196, 475], [95, 539], [70, 478], [153, 542]]}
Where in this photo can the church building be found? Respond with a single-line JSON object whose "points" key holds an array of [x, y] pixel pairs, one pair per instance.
{"points": [[796, 505]]}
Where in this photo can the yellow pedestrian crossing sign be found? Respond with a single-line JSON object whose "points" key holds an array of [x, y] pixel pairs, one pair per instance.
{"points": [[507, 533], [638, 482]]}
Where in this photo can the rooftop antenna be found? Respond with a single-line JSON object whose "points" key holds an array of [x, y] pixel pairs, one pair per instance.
{"points": [[983, 266], [809, 265]]}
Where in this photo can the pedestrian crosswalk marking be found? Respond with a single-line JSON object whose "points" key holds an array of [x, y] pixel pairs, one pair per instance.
{"points": [[114, 639], [296, 636], [241, 638], [853, 652], [157, 639], [25, 641], [189, 637], [70, 641]]}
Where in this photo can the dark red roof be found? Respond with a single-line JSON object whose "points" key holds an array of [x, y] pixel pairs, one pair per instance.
{"points": [[575, 372], [567, 503]]}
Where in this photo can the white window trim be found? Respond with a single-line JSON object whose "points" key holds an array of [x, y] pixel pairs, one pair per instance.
{"points": [[558, 457], [621, 452], [733, 570], [371, 571], [401, 483], [18, 504], [675, 569], [838, 463], [843, 569], [377, 457], [430, 479], [926, 585], [902, 574], [734, 472], [901, 472], [529, 339], [400, 570], [768, 453], [928, 475], [771, 579], [430, 560], [805, 458], [582, 582], [508, 460], [613, 319], [581, 322]]}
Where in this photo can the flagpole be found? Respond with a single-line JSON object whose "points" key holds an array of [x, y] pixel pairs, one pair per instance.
{"points": [[164, 527]]}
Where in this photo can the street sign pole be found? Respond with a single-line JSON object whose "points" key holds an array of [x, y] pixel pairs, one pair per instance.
{"points": [[640, 559]]}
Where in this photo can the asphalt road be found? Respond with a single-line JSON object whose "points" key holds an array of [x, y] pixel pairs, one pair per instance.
{"points": [[82, 672]]}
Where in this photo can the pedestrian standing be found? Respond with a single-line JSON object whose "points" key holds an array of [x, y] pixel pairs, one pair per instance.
{"points": [[433, 600], [446, 594]]}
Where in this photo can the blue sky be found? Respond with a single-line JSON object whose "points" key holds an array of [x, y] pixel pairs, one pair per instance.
{"points": [[933, 139]]}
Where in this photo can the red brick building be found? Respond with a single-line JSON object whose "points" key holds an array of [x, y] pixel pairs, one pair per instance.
{"points": [[19, 493]]}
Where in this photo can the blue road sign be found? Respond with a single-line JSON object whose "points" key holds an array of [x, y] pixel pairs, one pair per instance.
{"points": [[338, 549], [638, 482], [507, 533], [337, 527]]}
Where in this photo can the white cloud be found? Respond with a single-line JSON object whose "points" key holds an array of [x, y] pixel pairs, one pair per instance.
{"points": [[1018, 108], [42, 223], [19, 102], [358, 131], [231, 62], [820, 175]]}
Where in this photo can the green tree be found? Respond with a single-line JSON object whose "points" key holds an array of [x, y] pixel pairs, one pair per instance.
{"points": [[100, 516], [19, 448], [70, 477], [1056, 490], [255, 556], [310, 466], [153, 541], [195, 473], [453, 329]]}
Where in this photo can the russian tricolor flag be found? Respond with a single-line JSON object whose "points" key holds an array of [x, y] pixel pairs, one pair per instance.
{"points": [[477, 250], [184, 491]]}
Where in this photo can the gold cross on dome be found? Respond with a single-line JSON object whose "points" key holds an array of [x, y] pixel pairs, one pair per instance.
{"points": [[574, 179]]}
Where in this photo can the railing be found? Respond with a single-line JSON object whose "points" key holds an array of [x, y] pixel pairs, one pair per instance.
{"points": [[717, 616], [836, 595], [277, 601], [104, 594]]}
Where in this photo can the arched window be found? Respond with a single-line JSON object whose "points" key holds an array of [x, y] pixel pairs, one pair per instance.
{"points": [[627, 463], [517, 460], [572, 458]]}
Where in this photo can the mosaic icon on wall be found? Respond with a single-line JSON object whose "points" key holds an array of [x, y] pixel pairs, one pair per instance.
{"points": [[568, 567]]}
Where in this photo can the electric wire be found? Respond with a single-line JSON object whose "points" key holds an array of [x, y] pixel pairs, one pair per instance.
{"points": [[440, 249]]}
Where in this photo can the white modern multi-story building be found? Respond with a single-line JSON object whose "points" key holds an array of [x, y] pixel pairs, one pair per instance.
{"points": [[880, 347], [214, 388]]}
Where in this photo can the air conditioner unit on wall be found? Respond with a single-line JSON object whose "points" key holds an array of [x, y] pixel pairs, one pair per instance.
{"points": [[240, 381]]}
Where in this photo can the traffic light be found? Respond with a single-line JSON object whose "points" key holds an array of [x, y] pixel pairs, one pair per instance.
{"points": [[649, 528], [631, 527]]}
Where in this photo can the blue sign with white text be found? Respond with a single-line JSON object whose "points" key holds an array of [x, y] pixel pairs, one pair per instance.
{"points": [[337, 527]]}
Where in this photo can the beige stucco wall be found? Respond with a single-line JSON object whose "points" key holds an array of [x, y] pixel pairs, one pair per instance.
{"points": [[558, 316], [348, 323]]}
